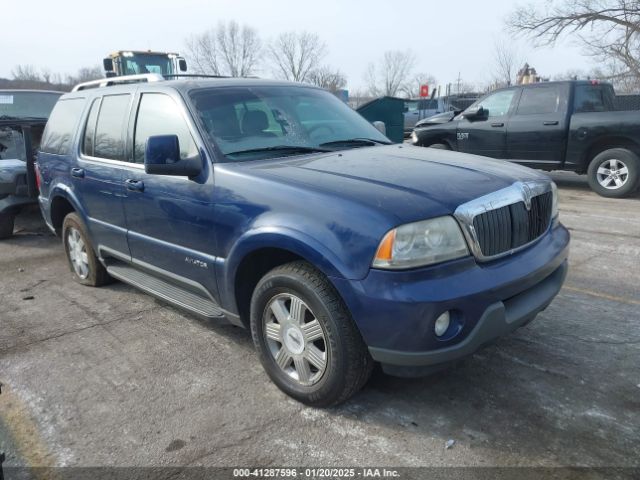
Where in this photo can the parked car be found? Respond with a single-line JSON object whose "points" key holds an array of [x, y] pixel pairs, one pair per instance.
{"points": [[278, 207], [551, 126], [23, 114], [420, 110]]}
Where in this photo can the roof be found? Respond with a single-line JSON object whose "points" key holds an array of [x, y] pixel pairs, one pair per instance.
{"points": [[143, 52], [28, 90], [154, 81]]}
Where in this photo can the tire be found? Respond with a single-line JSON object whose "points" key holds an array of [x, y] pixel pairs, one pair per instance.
{"points": [[440, 146], [340, 363], [7, 221], [85, 266], [620, 181]]}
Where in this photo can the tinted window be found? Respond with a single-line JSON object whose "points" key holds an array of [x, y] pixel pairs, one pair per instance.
{"points": [[62, 126], [109, 141], [158, 114], [539, 100], [498, 104], [27, 104], [589, 98], [90, 129]]}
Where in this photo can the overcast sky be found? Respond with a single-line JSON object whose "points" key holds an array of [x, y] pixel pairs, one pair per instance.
{"points": [[447, 37]]}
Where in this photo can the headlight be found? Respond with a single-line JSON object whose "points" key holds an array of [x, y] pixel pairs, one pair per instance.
{"points": [[421, 243], [414, 137], [554, 203]]}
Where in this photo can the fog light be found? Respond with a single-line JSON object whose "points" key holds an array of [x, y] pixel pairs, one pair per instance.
{"points": [[442, 324]]}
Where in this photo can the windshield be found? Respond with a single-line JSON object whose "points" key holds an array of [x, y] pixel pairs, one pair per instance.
{"points": [[27, 104], [138, 63], [261, 122]]}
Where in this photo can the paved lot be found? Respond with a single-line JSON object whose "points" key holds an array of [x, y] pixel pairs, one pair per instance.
{"points": [[112, 377]]}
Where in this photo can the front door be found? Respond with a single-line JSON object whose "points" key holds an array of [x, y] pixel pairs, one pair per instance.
{"points": [[169, 218], [537, 131], [487, 134]]}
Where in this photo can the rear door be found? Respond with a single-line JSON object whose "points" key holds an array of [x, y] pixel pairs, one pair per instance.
{"points": [[170, 219], [487, 135], [98, 174], [537, 131]]}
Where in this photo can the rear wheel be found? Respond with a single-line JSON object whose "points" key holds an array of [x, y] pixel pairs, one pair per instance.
{"points": [[305, 338], [7, 221], [85, 266], [614, 173]]}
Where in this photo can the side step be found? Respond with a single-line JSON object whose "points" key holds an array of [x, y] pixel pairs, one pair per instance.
{"points": [[166, 291]]}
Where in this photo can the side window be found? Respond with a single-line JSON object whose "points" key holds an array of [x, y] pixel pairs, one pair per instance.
{"points": [[158, 114], [589, 98], [539, 100], [61, 126], [88, 140], [109, 141], [497, 105]]}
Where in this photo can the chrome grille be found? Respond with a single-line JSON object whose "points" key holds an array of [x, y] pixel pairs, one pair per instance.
{"points": [[507, 220]]}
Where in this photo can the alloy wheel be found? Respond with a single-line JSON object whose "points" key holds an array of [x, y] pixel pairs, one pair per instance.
{"points": [[612, 174], [78, 253], [295, 338]]}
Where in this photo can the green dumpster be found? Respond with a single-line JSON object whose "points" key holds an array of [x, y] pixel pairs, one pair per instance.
{"points": [[389, 110]]}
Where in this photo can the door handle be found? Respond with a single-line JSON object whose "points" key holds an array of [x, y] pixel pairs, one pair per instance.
{"points": [[134, 185], [77, 172], [550, 122], [497, 124]]}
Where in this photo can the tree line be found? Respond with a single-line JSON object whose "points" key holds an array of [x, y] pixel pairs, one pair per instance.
{"points": [[607, 30]]}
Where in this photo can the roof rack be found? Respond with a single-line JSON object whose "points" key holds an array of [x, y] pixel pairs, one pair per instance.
{"points": [[108, 82]]}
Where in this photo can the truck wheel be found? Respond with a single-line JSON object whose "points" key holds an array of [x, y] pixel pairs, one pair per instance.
{"points": [[7, 221], [85, 266], [440, 146], [305, 338], [614, 173]]}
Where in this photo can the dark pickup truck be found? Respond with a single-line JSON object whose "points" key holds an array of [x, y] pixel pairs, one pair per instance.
{"points": [[550, 126]]}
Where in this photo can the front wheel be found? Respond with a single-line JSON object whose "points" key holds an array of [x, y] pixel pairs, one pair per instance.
{"points": [[614, 173], [305, 337]]}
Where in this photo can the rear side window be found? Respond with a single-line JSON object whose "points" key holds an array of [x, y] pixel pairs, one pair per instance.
{"points": [[90, 130], [159, 114], [61, 127], [589, 98], [539, 100], [109, 141]]}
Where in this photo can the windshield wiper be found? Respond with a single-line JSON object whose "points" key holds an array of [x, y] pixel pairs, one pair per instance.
{"points": [[290, 149], [356, 142]]}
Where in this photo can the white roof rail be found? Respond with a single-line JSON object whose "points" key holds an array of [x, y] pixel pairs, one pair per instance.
{"points": [[107, 82]]}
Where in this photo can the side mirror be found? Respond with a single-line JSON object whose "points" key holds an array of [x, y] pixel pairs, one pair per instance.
{"points": [[162, 157], [107, 64], [474, 112], [380, 126], [182, 64]]}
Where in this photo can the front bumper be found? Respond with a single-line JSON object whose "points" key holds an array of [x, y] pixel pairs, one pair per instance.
{"points": [[396, 311]]}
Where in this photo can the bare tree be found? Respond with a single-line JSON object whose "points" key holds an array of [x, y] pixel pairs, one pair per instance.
{"points": [[327, 78], [230, 49], [412, 87], [391, 74], [609, 30], [506, 62], [294, 55], [26, 73]]}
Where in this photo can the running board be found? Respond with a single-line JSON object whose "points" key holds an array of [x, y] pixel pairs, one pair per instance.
{"points": [[166, 291]]}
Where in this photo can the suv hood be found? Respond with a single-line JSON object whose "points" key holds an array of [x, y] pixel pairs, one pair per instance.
{"points": [[411, 183]]}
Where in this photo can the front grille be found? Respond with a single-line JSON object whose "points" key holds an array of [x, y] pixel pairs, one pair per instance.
{"points": [[512, 226]]}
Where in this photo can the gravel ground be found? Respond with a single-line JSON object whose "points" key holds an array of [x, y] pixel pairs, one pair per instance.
{"points": [[110, 376]]}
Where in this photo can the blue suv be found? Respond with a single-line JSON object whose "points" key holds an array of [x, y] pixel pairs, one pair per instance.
{"points": [[278, 207]]}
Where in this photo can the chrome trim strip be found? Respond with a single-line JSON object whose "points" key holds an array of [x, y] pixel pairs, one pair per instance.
{"points": [[518, 192]]}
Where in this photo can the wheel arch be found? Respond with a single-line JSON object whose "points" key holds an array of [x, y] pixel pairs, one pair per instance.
{"points": [[61, 203], [603, 144], [261, 252]]}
